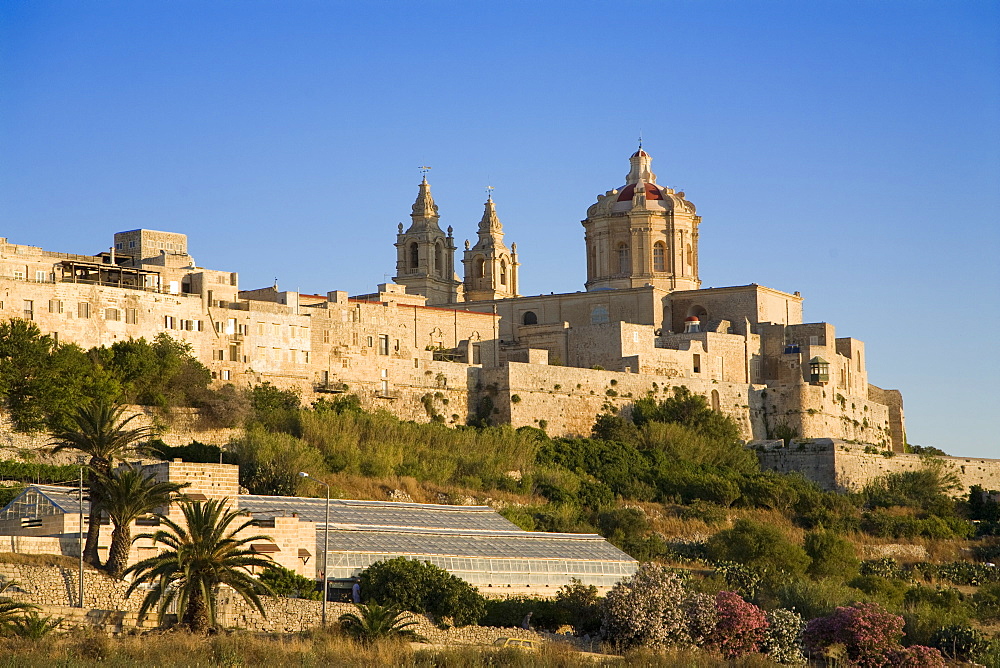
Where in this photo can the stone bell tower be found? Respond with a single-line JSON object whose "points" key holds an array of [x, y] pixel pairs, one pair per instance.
{"points": [[425, 256], [490, 267], [642, 233]]}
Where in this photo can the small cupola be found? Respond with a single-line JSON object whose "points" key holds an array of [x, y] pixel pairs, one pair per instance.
{"points": [[692, 324], [819, 370]]}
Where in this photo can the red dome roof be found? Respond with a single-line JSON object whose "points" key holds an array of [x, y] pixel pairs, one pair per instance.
{"points": [[692, 318], [652, 192]]}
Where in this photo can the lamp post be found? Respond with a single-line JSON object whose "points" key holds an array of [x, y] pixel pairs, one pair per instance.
{"points": [[81, 461], [326, 540]]}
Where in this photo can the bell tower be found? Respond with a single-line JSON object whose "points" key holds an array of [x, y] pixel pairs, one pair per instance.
{"points": [[425, 256], [642, 234], [490, 267]]}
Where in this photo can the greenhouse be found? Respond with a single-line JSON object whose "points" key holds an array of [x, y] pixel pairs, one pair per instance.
{"points": [[474, 543]]}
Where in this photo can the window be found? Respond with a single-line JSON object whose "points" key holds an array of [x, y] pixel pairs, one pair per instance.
{"points": [[131, 316], [715, 400], [55, 306], [384, 386], [371, 342], [305, 353], [476, 354], [260, 329], [119, 246], [112, 314], [529, 318], [624, 259], [439, 259], [41, 276], [225, 374], [354, 338], [383, 344], [168, 322], [29, 309], [480, 267], [599, 315], [690, 256], [813, 340], [19, 274], [326, 336], [659, 255], [218, 328], [83, 310], [503, 273], [696, 364], [131, 244], [414, 256], [234, 353]]}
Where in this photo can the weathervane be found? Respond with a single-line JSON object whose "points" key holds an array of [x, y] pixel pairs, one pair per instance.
{"points": [[640, 139], [489, 193], [424, 169]]}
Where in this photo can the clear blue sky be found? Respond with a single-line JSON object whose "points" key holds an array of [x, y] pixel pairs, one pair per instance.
{"points": [[849, 150]]}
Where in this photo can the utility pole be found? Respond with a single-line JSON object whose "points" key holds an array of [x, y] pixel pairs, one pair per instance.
{"points": [[326, 542], [81, 460]]}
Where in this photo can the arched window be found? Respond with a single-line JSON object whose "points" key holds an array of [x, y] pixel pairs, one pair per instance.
{"points": [[503, 273], [624, 259], [690, 256], [599, 315], [414, 256], [659, 255], [480, 267], [439, 259], [529, 318]]}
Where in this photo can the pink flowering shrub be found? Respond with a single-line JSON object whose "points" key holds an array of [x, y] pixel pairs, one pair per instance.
{"points": [[741, 627], [916, 656], [868, 633]]}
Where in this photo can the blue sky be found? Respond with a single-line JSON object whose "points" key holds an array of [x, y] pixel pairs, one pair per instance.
{"points": [[848, 150]]}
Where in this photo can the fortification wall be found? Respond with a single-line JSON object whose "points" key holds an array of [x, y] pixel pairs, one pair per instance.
{"points": [[838, 466]]}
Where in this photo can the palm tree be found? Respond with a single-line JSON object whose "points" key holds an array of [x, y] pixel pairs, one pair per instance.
{"points": [[34, 627], [128, 495], [101, 431], [202, 556], [379, 621], [11, 610]]}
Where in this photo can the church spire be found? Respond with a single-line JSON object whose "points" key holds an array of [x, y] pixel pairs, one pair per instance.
{"points": [[490, 267], [425, 211], [490, 223]]}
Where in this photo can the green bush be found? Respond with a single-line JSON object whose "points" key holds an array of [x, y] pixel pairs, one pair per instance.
{"points": [[510, 612], [887, 591], [419, 586], [581, 606], [960, 643], [831, 555], [986, 603], [270, 462], [761, 547], [288, 583]]}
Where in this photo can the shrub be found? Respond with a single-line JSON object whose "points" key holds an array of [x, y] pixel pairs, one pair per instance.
{"points": [[960, 643], [702, 616], [916, 656], [831, 554], [511, 611], [288, 583], [762, 547], [646, 610], [420, 586], [581, 606], [887, 591], [867, 632], [741, 627], [784, 636], [270, 462], [987, 603]]}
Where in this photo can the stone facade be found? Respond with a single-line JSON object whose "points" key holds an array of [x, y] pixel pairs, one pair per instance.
{"points": [[840, 466], [433, 346]]}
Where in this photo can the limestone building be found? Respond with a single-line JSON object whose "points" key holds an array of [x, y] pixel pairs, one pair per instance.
{"points": [[434, 345]]}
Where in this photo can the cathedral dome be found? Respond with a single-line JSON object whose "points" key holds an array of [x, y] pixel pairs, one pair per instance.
{"points": [[652, 192], [640, 181]]}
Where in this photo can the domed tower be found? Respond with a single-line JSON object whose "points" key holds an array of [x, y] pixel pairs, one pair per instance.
{"points": [[425, 256], [490, 267], [642, 233]]}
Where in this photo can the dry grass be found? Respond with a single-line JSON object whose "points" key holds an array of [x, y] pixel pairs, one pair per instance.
{"points": [[42, 560], [311, 649]]}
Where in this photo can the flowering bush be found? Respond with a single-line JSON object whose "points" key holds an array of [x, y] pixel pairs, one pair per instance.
{"points": [[915, 656], [741, 628], [646, 609], [702, 617], [784, 636], [867, 632]]}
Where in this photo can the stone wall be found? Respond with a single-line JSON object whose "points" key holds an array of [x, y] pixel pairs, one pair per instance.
{"points": [[839, 466]]}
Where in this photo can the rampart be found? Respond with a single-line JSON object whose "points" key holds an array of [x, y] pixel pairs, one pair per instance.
{"points": [[840, 466]]}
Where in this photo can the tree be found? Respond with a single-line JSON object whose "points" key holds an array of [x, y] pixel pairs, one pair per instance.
{"points": [[581, 606], [689, 409], [32, 626], [419, 586], [831, 554], [762, 547], [163, 373], [126, 496], [288, 583], [101, 431], [376, 622], [270, 462], [200, 556]]}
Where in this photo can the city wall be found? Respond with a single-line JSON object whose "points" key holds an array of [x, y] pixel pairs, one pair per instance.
{"points": [[839, 466]]}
